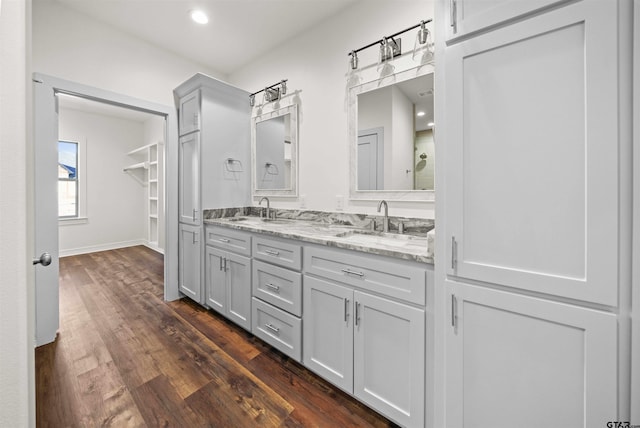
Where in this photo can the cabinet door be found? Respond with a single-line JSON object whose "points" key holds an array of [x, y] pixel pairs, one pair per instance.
{"points": [[328, 332], [468, 16], [189, 113], [189, 252], [189, 179], [215, 280], [518, 359], [389, 358], [238, 270], [531, 160]]}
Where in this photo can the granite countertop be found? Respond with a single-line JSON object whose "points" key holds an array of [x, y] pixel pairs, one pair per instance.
{"points": [[408, 246]]}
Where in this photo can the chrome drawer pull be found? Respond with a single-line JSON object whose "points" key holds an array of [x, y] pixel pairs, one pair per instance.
{"points": [[225, 240], [353, 272], [272, 328], [271, 286], [272, 252]]}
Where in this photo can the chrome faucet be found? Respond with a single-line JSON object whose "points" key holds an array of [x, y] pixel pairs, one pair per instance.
{"points": [[264, 198], [385, 220]]}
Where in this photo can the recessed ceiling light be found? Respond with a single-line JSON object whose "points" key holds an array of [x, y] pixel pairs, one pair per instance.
{"points": [[420, 114], [430, 124], [199, 16]]}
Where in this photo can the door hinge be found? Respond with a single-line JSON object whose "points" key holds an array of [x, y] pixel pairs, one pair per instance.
{"points": [[454, 313], [454, 253]]}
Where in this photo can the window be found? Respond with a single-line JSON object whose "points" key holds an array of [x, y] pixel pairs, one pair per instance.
{"points": [[67, 179]]}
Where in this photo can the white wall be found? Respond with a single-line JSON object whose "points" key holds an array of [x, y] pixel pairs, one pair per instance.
{"points": [[402, 137], [316, 64], [74, 47], [116, 201], [16, 279]]}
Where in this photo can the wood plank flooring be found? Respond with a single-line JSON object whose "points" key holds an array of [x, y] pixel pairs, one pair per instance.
{"points": [[126, 358]]}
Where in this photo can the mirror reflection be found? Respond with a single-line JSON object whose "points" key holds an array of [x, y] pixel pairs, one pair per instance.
{"points": [[395, 145], [274, 152]]}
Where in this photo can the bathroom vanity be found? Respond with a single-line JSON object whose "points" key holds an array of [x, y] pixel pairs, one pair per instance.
{"points": [[349, 303]]}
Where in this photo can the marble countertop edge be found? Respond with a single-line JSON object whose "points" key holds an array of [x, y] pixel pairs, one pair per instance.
{"points": [[410, 247]]}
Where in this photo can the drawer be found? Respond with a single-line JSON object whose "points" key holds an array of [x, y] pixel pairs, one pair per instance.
{"points": [[228, 239], [278, 286], [279, 329], [278, 252], [398, 279]]}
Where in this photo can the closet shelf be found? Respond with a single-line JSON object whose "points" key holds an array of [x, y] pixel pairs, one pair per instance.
{"points": [[143, 165]]}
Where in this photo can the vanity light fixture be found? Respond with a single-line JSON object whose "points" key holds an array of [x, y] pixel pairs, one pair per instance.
{"points": [[271, 93], [199, 17], [354, 60], [390, 47]]}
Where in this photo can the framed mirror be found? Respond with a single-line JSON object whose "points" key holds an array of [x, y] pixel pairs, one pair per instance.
{"points": [[274, 153], [391, 137]]}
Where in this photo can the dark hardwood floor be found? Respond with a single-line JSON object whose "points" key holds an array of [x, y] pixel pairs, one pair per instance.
{"points": [[126, 358]]}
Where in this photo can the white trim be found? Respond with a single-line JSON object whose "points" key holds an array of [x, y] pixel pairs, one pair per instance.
{"points": [[171, 161], [72, 220], [103, 247]]}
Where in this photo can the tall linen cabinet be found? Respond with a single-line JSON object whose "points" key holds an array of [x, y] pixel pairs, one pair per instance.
{"points": [[213, 166], [533, 213]]}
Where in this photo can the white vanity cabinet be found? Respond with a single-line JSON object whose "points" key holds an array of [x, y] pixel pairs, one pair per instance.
{"points": [[368, 343], [531, 191], [190, 254], [277, 294], [213, 157], [514, 359], [228, 274]]}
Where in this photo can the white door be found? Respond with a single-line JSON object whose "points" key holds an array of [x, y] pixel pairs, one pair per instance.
{"points": [[513, 359], [328, 331], [238, 270], [215, 280], [532, 154], [388, 358], [370, 163], [189, 253], [46, 212], [189, 113], [468, 16], [189, 179]]}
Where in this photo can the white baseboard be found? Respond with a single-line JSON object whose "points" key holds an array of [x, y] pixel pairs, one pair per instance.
{"points": [[153, 247], [102, 247]]}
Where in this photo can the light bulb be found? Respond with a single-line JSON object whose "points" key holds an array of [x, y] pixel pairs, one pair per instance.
{"points": [[199, 16]]}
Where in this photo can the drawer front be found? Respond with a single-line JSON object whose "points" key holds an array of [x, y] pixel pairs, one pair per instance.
{"points": [[280, 287], [278, 252], [396, 279], [229, 239], [279, 329]]}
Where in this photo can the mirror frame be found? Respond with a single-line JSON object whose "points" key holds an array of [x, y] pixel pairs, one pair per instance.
{"points": [[354, 91], [291, 110]]}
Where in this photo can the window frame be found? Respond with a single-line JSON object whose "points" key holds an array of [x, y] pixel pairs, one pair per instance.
{"points": [[76, 180]]}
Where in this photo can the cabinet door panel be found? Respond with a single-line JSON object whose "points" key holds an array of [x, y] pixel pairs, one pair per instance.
{"points": [[532, 192], [189, 113], [189, 179], [389, 354], [468, 16], [508, 351], [327, 331], [189, 252], [215, 280], [239, 289]]}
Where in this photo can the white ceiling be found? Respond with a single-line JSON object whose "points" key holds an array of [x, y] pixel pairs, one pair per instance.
{"points": [[238, 31], [88, 106]]}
